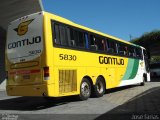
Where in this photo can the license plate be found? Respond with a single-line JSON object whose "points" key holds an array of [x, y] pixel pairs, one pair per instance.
{"points": [[26, 76]]}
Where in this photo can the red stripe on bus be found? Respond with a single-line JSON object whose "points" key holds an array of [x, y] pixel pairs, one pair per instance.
{"points": [[24, 72]]}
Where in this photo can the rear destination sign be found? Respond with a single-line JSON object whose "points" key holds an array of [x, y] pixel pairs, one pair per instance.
{"points": [[25, 39]]}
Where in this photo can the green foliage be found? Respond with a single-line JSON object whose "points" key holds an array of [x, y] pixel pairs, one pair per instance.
{"points": [[147, 38], [155, 59], [150, 41]]}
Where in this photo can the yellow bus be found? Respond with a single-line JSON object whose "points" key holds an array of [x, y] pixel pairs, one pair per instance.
{"points": [[50, 56]]}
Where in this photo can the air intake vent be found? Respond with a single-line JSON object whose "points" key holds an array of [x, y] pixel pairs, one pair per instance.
{"points": [[67, 81]]}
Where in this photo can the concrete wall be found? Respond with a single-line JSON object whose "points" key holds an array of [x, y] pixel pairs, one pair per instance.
{"points": [[14, 9], [2, 58], [9, 11]]}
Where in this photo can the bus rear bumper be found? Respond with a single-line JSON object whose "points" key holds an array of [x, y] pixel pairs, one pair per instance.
{"points": [[29, 90]]}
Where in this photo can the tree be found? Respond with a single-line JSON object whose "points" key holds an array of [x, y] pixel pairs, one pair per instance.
{"points": [[155, 59], [148, 38], [151, 41]]}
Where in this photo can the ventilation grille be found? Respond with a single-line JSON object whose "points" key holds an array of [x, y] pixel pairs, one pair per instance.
{"points": [[67, 81]]}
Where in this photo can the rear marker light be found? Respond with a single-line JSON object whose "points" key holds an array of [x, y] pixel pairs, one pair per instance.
{"points": [[46, 73]]}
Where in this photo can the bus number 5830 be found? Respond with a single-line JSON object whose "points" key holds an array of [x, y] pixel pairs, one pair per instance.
{"points": [[67, 57]]}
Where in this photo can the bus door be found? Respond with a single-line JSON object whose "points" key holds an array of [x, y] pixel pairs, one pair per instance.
{"points": [[146, 64]]}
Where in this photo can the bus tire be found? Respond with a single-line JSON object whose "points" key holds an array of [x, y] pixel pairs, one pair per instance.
{"points": [[99, 87], [85, 89]]}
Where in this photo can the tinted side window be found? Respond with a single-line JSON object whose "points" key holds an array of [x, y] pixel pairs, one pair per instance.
{"points": [[73, 37], [56, 34], [121, 49], [111, 46], [63, 37], [97, 43], [70, 36], [101, 44], [138, 52], [93, 43], [131, 51], [77, 38], [60, 36], [81, 39], [145, 53]]}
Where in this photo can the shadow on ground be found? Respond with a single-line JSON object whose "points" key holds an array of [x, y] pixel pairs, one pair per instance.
{"points": [[33, 103], [144, 103], [143, 106], [155, 79], [39, 103], [112, 90]]}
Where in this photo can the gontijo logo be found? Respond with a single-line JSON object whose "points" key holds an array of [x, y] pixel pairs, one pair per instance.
{"points": [[23, 27]]}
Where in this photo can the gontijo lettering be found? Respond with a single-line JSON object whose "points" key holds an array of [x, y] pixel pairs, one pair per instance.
{"points": [[110, 60], [24, 42]]}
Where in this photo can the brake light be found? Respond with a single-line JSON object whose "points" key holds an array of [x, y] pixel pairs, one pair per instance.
{"points": [[46, 73]]}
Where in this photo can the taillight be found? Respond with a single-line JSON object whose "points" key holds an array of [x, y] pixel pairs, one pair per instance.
{"points": [[46, 73]]}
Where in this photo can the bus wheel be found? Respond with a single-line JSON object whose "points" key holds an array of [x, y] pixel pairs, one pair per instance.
{"points": [[85, 89], [99, 88]]}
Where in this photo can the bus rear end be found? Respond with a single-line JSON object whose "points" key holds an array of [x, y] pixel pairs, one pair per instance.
{"points": [[24, 56]]}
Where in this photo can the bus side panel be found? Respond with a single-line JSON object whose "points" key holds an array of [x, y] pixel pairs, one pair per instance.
{"points": [[85, 65], [134, 72], [114, 73]]}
